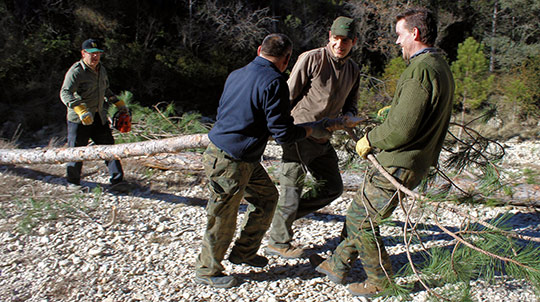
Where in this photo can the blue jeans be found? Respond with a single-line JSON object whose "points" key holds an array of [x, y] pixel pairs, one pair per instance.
{"points": [[78, 135]]}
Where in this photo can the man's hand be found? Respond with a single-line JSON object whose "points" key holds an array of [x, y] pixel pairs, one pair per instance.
{"points": [[318, 129], [340, 123], [351, 121], [121, 106], [83, 113], [383, 112], [363, 147]]}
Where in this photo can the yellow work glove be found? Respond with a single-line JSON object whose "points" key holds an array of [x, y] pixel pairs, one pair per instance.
{"points": [[383, 111], [363, 147], [121, 106], [83, 113]]}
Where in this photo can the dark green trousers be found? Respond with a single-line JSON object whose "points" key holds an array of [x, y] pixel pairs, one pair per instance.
{"points": [[230, 181], [375, 202], [322, 162]]}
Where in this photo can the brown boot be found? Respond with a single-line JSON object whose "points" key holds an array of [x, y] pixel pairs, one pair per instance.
{"points": [[289, 252], [364, 289], [323, 267]]}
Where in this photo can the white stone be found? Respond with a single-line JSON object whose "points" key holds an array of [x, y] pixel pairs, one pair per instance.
{"points": [[95, 251]]}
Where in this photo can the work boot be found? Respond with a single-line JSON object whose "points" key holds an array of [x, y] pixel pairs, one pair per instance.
{"points": [[289, 252], [323, 267], [256, 261], [74, 187], [221, 280], [364, 289], [315, 260]]}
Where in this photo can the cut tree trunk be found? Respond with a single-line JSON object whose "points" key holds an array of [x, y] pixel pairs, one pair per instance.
{"points": [[108, 152], [102, 152]]}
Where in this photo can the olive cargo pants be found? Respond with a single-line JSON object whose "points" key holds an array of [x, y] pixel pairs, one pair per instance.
{"points": [[375, 202], [230, 181], [322, 162]]}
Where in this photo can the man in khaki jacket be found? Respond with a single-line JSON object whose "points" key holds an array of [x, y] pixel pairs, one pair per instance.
{"points": [[323, 84]]}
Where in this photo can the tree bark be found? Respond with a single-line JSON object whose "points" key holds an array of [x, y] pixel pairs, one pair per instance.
{"points": [[102, 152], [493, 32]]}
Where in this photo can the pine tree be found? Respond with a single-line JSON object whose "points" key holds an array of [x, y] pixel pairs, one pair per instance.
{"points": [[473, 82]]}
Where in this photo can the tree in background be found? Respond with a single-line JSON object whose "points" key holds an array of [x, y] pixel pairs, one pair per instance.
{"points": [[510, 29], [182, 50], [392, 72], [516, 96], [522, 90], [471, 75]]}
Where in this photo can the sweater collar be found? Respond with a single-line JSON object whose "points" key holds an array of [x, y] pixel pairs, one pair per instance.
{"points": [[423, 51], [264, 62], [339, 61], [86, 67]]}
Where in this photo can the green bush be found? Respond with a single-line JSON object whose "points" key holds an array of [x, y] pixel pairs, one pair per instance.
{"points": [[160, 122]]}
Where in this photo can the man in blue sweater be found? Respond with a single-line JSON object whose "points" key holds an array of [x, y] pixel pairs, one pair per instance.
{"points": [[253, 106]]}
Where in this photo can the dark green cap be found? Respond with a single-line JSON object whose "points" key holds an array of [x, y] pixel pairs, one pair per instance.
{"points": [[91, 46], [344, 26]]}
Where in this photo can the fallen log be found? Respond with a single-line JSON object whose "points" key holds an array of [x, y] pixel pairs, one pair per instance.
{"points": [[146, 148], [102, 152]]}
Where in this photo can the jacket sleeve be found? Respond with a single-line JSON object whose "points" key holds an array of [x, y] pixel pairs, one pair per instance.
{"points": [[351, 103], [404, 117], [68, 92], [108, 92], [280, 123], [300, 77]]}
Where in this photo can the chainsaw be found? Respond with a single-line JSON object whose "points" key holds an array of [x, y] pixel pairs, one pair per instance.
{"points": [[122, 121]]}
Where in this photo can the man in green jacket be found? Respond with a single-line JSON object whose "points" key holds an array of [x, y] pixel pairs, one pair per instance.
{"points": [[409, 140], [84, 92]]}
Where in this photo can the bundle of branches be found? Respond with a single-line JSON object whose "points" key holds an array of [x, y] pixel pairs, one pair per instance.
{"points": [[480, 249], [473, 149], [158, 122]]}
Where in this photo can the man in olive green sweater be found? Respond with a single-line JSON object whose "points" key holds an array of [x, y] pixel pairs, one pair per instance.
{"points": [[410, 140]]}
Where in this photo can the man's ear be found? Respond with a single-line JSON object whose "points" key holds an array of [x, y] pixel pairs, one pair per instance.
{"points": [[286, 61], [416, 34], [259, 50]]}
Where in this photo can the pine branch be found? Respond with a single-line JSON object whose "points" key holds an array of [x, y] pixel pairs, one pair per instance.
{"points": [[474, 150], [487, 225], [417, 197], [408, 248], [472, 246], [166, 118]]}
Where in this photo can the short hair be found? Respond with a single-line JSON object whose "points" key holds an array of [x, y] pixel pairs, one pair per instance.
{"points": [[424, 20], [276, 45]]}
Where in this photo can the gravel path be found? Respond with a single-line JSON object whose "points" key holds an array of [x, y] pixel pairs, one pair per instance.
{"points": [[148, 252]]}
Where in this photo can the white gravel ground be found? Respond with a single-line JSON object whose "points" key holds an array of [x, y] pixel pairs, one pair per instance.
{"points": [[148, 254]]}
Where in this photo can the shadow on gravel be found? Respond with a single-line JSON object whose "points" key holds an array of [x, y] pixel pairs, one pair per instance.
{"points": [[305, 271], [274, 272], [172, 198], [137, 189], [526, 224], [34, 174]]}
